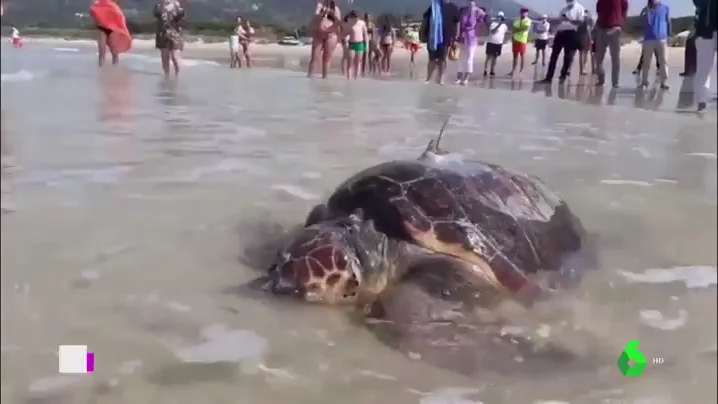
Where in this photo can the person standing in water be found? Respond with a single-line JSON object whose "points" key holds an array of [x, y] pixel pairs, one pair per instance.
{"points": [[413, 45], [369, 54], [326, 25], [440, 26], [239, 43], [471, 17], [541, 31], [344, 41], [639, 66], [655, 40], [494, 43], [610, 18], [234, 57], [585, 39], [245, 33], [519, 41], [357, 33], [104, 27], [168, 37], [566, 41], [387, 39]]}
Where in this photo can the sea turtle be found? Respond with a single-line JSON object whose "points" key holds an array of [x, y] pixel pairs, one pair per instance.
{"points": [[495, 228]]}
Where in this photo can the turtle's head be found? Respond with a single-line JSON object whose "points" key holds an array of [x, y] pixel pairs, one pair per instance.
{"points": [[331, 261]]}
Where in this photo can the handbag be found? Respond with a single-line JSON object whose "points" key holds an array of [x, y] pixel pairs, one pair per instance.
{"points": [[453, 52]]}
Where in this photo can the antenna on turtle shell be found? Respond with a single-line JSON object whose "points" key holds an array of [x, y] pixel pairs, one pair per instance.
{"points": [[433, 145]]}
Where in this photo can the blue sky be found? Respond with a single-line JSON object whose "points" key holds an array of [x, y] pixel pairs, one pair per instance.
{"points": [[678, 7]]}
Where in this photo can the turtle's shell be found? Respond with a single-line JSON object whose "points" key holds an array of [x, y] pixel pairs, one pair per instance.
{"points": [[507, 224]]}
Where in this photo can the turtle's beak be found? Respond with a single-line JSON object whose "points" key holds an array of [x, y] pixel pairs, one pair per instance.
{"points": [[275, 284]]}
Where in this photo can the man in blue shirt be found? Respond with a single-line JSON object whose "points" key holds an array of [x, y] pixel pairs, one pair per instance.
{"points": [[656, 30]]}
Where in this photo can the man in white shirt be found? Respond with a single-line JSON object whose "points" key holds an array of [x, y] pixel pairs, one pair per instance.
{"points": [[566, 40], [540, 31], [495, 42]]}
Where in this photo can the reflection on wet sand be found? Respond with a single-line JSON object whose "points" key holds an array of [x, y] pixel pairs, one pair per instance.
{"points": [[116, 101]]}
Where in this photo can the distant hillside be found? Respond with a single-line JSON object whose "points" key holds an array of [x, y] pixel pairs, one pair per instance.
{"points": [[64, 13]]}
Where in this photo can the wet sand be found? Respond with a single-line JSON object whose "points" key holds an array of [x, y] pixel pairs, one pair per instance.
{"points": [[139, 204]]}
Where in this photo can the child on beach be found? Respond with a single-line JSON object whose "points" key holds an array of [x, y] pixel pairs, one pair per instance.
{"points": [[15, 38], [412, 44], [345, 45], [356, 44]]}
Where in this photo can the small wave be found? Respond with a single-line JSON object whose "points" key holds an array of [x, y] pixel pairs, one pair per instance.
{"points": [[656, 319], [183, 62], [22, 75], [705, 155], [223, 345], [66, 49], [626, 182], [453, 395], [695, 277], [103, 175], [198, 62], [294, 190]]}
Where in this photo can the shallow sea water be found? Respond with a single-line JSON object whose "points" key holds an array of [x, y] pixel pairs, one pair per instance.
{"points": [[132, 207]]}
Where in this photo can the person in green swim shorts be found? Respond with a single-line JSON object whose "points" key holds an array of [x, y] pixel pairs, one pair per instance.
{"points": [[358, 37]]}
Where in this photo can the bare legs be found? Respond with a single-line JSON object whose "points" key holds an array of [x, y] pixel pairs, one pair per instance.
{"points": [[346, 59], [354, 61], [385, 64], [169, 57], [438, 66], [375, 63], [102, 47], [490, 65], [323, 47], [366, 56], [541, 52], [316, 52], [584, 57], [247, 57], [517, 61], [329, 46]]}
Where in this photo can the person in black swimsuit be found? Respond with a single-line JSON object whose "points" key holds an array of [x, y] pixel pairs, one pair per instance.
{"points": [[102, 41]]}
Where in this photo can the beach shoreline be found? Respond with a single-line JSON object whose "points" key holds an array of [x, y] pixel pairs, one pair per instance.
{"points": [[219, 51]]}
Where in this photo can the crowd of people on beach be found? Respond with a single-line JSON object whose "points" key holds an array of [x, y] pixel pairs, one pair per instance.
{"points": [[451, 34]]}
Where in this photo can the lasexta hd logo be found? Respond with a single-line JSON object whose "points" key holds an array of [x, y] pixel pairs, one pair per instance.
{"points": [[631, 362]]}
